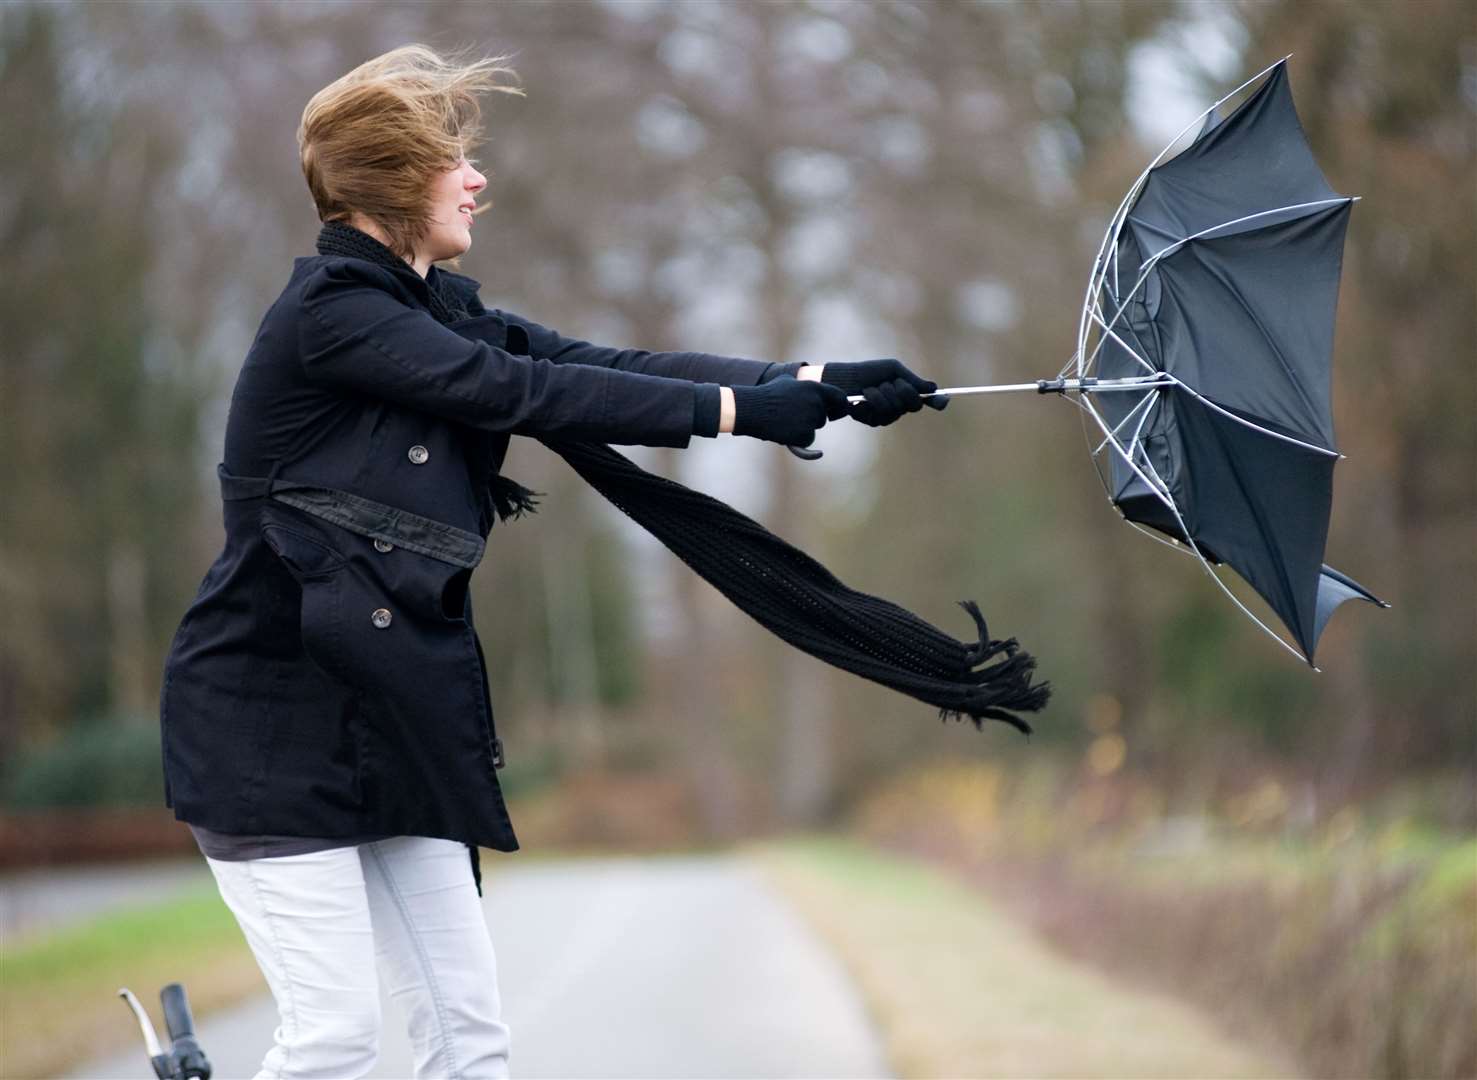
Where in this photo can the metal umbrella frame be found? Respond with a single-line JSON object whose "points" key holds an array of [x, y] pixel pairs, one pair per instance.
{"points": [[1102, 323]]}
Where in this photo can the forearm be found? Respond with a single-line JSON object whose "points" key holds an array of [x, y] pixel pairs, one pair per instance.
{"points": [[547, 344], [354, 335]]}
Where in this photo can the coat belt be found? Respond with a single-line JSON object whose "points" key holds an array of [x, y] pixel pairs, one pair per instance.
{"points": [[376, 520]]}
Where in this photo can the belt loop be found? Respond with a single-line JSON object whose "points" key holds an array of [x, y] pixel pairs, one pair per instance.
{"points": [[272, 476]]}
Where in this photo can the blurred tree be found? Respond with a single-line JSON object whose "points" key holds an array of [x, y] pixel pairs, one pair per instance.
{"points": [[800, 180], [101, 411]]}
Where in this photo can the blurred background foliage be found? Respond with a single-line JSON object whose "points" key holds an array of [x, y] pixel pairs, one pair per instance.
{"points": [[812, 181]]}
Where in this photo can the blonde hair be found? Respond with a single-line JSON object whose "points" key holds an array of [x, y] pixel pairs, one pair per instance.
{"points": [[371, 141]]}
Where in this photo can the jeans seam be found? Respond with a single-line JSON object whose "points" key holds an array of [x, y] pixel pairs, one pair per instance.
{"points": [[425, 959], [281, 963]]}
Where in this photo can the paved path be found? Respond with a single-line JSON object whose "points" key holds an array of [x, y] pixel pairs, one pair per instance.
{"points": [[683, 966], [34, 902]]}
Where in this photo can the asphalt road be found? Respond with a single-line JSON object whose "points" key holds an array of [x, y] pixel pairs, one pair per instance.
{"points": [[40, 901], [685, 966]]}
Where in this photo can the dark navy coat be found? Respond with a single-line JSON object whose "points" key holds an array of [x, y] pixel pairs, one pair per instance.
{"points": [[327, 680]]}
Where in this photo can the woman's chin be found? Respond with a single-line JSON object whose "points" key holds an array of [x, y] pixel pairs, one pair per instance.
{"points": [[457, 245]]}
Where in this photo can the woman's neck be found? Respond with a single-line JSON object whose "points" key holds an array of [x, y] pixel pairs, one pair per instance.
{"points": [[420, 263]]}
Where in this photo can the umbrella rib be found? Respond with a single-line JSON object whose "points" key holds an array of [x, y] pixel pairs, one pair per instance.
{"points": [[1185, 531], [1254, 427], [1312, 409], [1205, 564], [1153, 398], [1168, 497], [1128, 460], [1109, 332], [1092, 312], [1145, 270], [1128, 416], [1165, 252], [1097, 317], [1173, 545], [1246, 610], [1115, 223], [1108, 492]]}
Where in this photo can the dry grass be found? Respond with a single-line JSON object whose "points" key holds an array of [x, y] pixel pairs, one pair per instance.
{"points": [[1352, 945], [59, 1001], [960, 990]]}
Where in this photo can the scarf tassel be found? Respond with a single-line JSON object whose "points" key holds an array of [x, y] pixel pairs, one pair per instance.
{"points": [[511, 499], [1002, 686]]}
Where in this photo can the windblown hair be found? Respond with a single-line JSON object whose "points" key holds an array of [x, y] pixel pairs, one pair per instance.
{"points": [[372, 141]]}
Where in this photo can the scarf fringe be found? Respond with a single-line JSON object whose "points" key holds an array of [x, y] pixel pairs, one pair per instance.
{"points": [[511, 499]]}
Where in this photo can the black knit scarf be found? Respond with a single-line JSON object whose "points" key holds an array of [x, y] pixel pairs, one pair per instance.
{"points": [[781, 587]]}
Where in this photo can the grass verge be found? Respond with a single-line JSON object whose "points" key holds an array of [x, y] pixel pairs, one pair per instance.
{"points": [[1348, 939], [59, 1002], [958, 989]]}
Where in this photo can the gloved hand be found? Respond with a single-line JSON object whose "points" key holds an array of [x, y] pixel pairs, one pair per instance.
{"points": [[889, 387], [786, 410]]}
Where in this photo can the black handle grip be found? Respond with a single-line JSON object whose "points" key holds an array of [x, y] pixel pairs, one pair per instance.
{"points": [[191, 1059], [804, 453], [177, 1016]]}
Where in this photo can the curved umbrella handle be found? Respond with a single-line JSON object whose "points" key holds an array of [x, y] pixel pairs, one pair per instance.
{"points": [[805, 453]]}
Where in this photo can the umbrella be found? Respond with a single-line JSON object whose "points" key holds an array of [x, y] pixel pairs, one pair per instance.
{"points": [[1204, 355]]}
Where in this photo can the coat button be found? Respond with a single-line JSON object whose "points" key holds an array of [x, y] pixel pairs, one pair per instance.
{"points": [[380, 618], [418, 454], [383, 545]]}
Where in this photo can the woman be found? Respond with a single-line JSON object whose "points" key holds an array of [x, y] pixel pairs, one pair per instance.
{"points": [[327, 727]]}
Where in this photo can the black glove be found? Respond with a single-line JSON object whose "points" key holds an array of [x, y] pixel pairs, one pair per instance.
{"points": [[889, 387], [786, 410]]}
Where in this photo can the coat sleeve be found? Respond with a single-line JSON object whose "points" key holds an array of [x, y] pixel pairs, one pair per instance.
{"points": [[546, 344], [355, 335]]}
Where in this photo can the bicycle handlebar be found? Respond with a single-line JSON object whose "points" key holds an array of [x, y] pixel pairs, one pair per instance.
{"points": [[181, 1025], [185, 1059]]}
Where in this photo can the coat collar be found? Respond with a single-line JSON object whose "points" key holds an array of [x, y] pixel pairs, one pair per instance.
{"points": [[342, 239], [464, 286]]}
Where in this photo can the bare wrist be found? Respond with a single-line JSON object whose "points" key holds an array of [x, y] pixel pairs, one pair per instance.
{"points": [[726, 410]]}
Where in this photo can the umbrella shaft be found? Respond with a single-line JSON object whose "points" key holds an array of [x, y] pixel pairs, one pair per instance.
{"points": [[1051, 386]]}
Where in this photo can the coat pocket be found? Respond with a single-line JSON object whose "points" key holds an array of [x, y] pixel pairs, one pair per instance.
{"points": [[317, 568], [375, 615]]}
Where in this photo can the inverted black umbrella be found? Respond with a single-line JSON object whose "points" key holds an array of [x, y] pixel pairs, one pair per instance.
{"points": [[1204, 356]]}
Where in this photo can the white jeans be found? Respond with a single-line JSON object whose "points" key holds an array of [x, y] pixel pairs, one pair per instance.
{"points": [[319, 923]]}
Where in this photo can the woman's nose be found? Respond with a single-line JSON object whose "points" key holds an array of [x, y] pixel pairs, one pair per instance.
{"points": [[476, 181]]}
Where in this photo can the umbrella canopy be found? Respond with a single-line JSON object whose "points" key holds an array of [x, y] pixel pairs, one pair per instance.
{"points": [[1212, 307]]}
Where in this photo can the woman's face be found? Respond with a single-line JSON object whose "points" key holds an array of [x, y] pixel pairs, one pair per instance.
{"points": [[453, 196]]}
